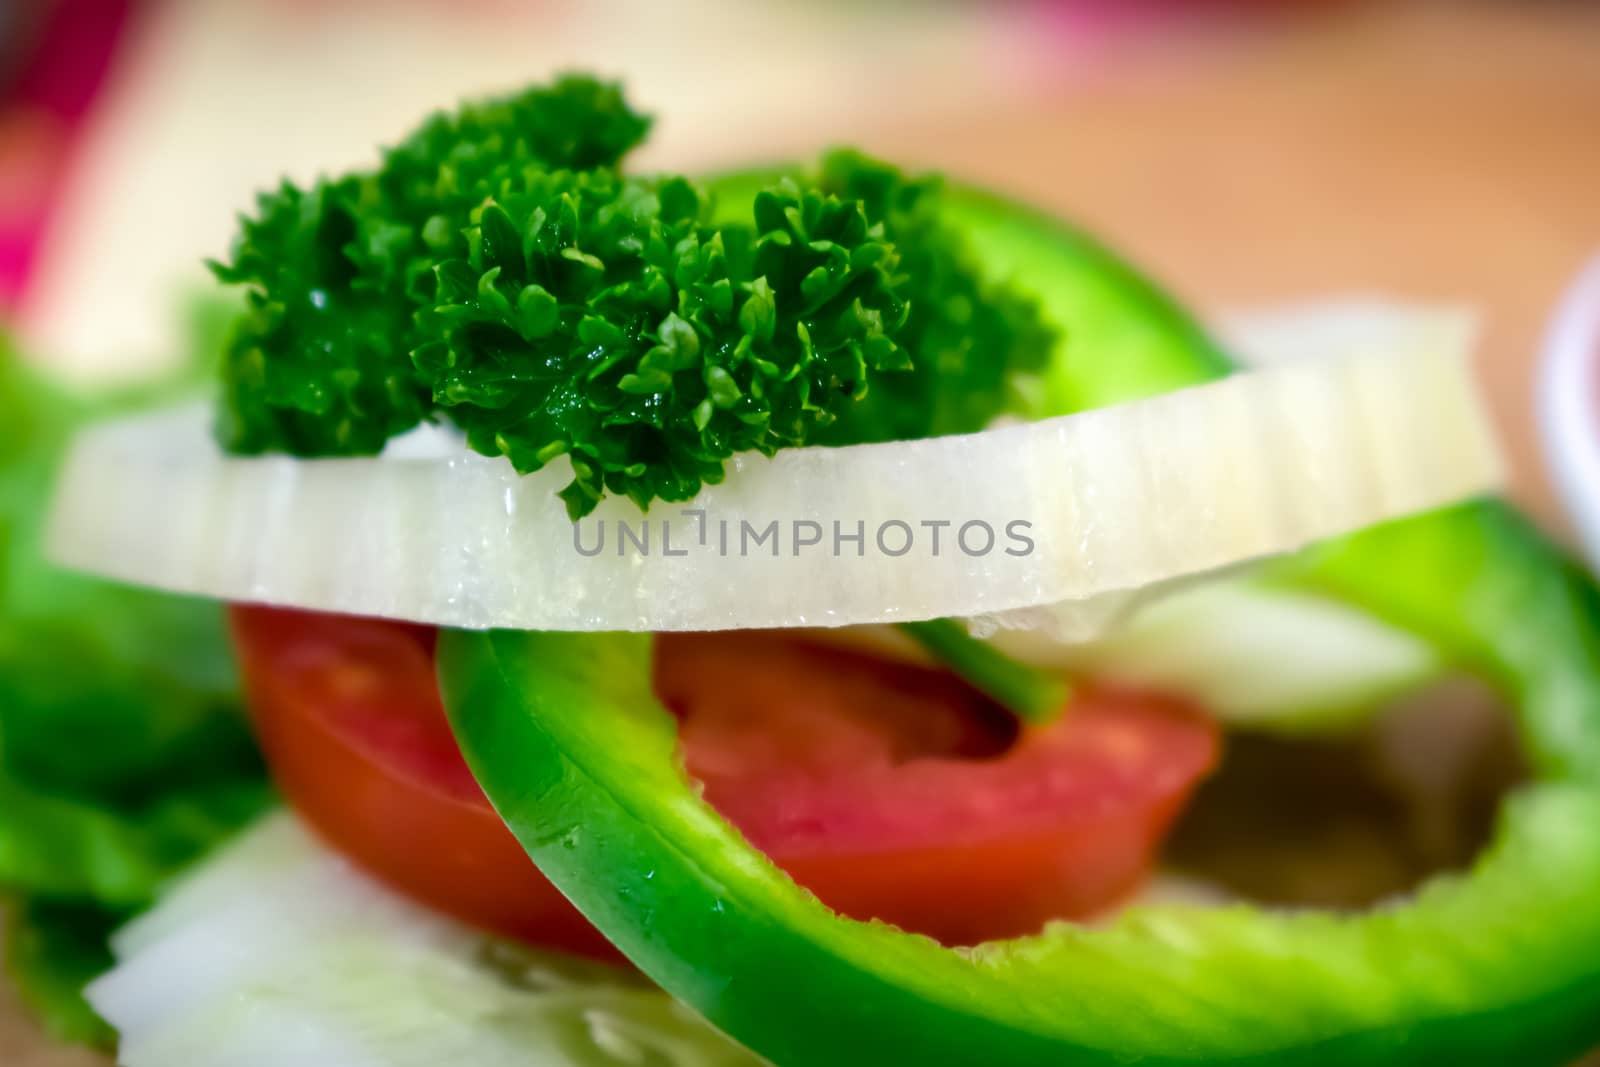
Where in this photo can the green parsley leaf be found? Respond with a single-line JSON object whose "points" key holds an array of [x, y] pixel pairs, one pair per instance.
{"points": [[320, 363], [497, 270], [600, 318], [970, 338]]}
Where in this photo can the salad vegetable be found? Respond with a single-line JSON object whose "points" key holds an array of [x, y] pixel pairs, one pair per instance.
{"points": [[498, 270], [1254, 652], [885, 789], [276, 952], [321, 362], [122, 755], [1099, 503], [495, 341], [1035, 696]]}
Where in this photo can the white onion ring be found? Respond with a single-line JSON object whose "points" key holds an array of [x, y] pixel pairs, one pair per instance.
{"points": [[1116, 499]]}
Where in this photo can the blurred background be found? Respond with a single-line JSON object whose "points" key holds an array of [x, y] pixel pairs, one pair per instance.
{"points": [[1245, 153]]}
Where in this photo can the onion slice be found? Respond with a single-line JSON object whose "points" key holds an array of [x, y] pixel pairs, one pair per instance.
{"points": [[277, 953], [1251, 652], [1033, 521]]}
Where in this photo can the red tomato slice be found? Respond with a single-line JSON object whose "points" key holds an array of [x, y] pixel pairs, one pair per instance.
{"points": [[889, 790]]}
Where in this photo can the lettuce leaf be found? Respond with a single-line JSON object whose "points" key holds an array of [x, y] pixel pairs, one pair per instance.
{"points": [[53, 950], [123, 753]]}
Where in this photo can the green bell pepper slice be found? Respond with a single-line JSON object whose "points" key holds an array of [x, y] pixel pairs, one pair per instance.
{"points": [[1498, 965]]}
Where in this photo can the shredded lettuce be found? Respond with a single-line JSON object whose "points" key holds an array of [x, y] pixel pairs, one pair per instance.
{"points": [[123, 755]]}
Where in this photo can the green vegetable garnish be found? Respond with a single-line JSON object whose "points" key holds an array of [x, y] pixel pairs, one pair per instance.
{"points": [[972, 342], [320, 362], [123, 755], [600, 318], [497, 270]]}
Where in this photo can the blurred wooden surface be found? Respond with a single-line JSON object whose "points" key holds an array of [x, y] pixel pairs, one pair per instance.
{"points": [[1443, 153], [1437, 152]]}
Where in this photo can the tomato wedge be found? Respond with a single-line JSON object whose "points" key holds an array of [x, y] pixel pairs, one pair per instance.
{"points": [[349, 718], [890, 790]]}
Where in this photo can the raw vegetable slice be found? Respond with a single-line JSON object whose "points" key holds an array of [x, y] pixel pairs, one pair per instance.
{"points": [[1047, 513], [1252, 655], [1252, 652], [277, 954], [1499, 965]]}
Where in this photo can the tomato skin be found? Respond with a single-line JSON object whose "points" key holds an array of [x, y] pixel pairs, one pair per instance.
{"points": [[892, 793], [1009, 888], [886, 789], [350, 721]]}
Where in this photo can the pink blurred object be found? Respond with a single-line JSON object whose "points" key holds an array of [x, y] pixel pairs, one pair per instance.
{"points": [[1091, 18], [44, 105], [1086, 21]]}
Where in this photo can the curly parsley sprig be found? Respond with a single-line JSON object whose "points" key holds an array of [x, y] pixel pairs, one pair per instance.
{"points": [[599, 318], [971, 337], [499, 271]]}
